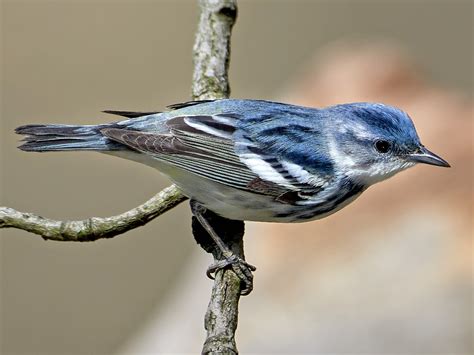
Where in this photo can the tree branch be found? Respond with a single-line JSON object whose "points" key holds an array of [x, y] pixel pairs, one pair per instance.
{"points": [[222, 311], [95, 227], [212, 49], [210, 81]]}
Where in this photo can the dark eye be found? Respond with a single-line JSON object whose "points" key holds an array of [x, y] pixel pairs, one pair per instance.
{"points": [[382, 146]]}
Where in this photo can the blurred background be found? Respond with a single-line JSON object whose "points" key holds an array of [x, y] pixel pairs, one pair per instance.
{"points": [[391, 273]]}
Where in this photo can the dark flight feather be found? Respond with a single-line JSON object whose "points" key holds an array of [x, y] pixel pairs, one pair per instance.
{"points": [[187, 104], [130, 114]]}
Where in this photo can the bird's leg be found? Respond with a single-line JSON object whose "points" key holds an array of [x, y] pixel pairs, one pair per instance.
{"points": [[205, 224]]}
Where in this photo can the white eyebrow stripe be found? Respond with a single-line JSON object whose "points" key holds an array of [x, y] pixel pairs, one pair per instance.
{"points": [[206, 129]]}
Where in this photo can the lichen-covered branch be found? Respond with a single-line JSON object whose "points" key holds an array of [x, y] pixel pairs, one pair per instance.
{"points": [[212, 49], [222, 313], [92, 228], [210, 81]]}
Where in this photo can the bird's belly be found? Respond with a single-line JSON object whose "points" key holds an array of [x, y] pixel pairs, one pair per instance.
{"points": [[242, 205], [233, 203], [238, 204]]}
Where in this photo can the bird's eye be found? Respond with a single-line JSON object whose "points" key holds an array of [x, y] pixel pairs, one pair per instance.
{"points": [[382, 146]]}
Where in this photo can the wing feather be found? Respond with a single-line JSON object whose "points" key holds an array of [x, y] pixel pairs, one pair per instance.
{"points": [[203, 145], [203, 155], [187, 104], [130, 114]]}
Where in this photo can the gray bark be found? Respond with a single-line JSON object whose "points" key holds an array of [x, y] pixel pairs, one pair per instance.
{"points": [[210, 81], [212, 49], [92, 228]]}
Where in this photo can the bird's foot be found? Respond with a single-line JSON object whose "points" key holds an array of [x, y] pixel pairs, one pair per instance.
{"points": [[242, 269]]}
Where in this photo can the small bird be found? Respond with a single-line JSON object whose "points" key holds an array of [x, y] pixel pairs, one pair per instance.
{"points": [[256, 160]]}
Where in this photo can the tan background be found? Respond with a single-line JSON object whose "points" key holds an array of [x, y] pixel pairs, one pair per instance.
{"points": [[65, 61]]}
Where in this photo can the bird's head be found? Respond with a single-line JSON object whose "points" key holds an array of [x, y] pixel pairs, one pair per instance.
{"points": [[372, 142]]}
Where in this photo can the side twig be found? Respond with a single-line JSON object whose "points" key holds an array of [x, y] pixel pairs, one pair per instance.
{"points": [[95, 227]]}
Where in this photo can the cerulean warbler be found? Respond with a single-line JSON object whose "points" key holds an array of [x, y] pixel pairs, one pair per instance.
{"points": [[256, 160]]}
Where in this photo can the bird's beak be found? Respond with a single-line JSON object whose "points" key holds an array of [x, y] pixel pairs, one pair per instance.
{"points": [[424, 156]]}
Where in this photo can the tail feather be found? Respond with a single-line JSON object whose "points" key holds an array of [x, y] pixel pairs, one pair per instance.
{"points": [[47, 138]]}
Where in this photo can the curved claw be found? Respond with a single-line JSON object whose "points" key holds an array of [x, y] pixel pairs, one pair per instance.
{"points": [[210, 270], [242, 269]]}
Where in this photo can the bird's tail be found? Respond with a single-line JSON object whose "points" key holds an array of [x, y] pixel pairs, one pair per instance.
{"points": [[49, 138]]}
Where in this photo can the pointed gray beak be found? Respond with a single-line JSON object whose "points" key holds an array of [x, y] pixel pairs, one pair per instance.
{"points": [[424, 156]]}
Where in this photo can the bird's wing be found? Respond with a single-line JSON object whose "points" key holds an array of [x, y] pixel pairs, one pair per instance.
{"points": [[203, 145]]}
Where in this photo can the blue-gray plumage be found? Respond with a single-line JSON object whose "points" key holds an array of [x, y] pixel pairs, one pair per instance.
{"points": [[256, 160]]}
